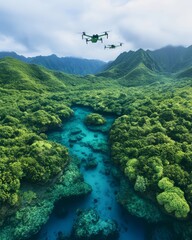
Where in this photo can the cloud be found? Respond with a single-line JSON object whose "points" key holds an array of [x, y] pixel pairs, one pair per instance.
{"points": [[154, 24], [8, 44], [42, 27]]}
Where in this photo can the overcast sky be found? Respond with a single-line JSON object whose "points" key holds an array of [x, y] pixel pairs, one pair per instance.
{"points": [[44, 27]]}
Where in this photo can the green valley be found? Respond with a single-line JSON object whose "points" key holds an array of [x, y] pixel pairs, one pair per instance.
{"points": [[151, 138]]}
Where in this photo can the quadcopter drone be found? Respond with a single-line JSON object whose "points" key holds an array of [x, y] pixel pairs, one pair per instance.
{"points": [[95, 37], [112, 46]]}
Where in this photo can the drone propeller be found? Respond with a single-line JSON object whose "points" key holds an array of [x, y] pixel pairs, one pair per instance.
{"points": [[83, 34], [106, 33]]}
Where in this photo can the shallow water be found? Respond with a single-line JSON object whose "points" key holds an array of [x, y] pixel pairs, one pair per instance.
{"points": [[103, 196]]}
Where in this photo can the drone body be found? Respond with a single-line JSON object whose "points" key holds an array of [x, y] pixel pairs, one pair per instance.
{"points": [[112, 46], [94, 38]]}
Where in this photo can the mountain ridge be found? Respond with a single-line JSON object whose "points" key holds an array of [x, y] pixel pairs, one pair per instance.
{"points": [[143, 67], [133, 68], [71, 65], [172, 59]]}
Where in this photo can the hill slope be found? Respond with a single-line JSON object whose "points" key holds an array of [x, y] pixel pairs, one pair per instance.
{"points": [[133, 68], [144, 67], [66, 64], [15, 74]]}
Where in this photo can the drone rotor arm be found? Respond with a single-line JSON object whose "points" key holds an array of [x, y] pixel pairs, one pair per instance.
{"points": [[87, 35]]}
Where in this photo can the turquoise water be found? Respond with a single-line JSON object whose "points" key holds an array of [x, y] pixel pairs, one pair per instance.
{"points": [[92, 144]]}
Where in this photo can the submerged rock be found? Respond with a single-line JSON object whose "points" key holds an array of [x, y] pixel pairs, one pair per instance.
{"points": [[90, 162], [75, 138], [102, 128], [75, 131], [89, 226], [98, 146]]}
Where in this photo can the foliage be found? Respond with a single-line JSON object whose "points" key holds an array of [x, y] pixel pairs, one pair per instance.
{"points": [[25, 115], [10, 175], [151, 139], [25, 155], [172, 198], [94, 119], [140, 184]]}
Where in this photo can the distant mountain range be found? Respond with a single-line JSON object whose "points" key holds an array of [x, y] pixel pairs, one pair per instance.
{"points": [[144, 67], [172, 59], [133, 68], [69, 65]]}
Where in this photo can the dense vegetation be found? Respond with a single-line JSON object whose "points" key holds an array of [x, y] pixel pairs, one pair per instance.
{"points": [[94, 119], [152, 142], [26, 113], [25, 153], [151, 139]]}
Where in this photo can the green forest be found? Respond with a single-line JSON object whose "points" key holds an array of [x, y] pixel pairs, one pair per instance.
{"points": [[150, 140]]}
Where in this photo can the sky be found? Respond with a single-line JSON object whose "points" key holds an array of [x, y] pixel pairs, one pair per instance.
{"points": [[45, 27]]}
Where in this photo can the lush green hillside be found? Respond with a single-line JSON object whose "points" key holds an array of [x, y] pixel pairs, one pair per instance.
{"points": [[78, 66], [126, 62], [187, 73], [133, 69], [145, 67], [17, 75], [140, 75]]}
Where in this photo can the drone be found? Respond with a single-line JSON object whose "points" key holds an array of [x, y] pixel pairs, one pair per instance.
{"points": [[95, 37], [112, 46]]}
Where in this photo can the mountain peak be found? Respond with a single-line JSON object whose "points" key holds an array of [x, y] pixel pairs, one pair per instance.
{"points": [[128, 61], [140, 50]]}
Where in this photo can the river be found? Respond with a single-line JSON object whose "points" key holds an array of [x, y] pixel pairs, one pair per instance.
{"points": [[91, 144]]}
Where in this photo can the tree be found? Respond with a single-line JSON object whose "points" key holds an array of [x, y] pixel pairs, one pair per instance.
{"points": [[140, 184], [94, 119], [172, 198]]}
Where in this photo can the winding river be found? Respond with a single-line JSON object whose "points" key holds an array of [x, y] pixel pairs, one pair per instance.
{"points": [[92, 145]]}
